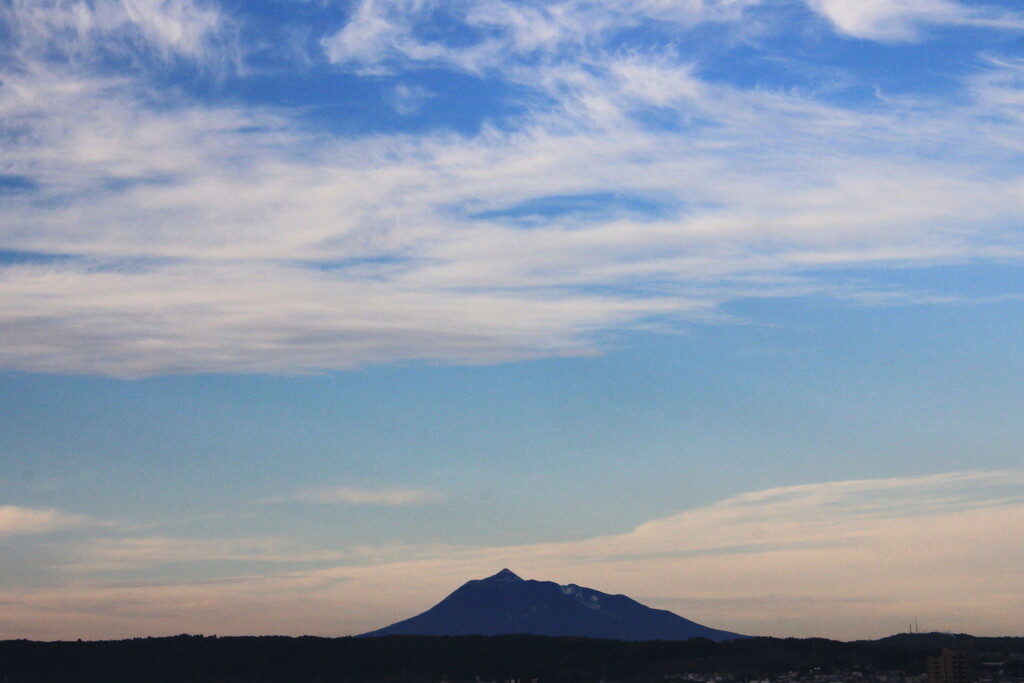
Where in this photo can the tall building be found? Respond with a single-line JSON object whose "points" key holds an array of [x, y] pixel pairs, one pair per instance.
{"points": [[952, 666]]}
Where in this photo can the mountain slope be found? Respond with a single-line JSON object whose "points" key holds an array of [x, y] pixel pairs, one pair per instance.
{"points": [[504, 604]]}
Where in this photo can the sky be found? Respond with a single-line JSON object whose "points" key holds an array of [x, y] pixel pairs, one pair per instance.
{"points": [[313, 310]]}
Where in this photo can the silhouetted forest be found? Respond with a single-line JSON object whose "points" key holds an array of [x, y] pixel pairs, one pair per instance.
{"points": [[422, 659]]}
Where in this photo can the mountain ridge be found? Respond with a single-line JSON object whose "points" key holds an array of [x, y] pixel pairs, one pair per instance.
{"points": [[505, 603]]}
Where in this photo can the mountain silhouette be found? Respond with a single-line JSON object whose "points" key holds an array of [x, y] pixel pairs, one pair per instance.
{"points": [[506, 604]]}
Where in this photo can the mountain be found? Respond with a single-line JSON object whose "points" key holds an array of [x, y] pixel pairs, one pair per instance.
{"points": [[505, 604]]}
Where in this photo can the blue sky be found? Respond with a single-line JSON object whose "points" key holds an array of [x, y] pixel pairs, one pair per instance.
{"points": [[312, 310]]}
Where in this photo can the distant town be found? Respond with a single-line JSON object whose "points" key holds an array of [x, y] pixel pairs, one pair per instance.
{"points": [[905, 658], [949, 666]]}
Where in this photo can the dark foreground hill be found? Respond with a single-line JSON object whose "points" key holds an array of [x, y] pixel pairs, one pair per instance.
{"points": [[420, 659], [505, 604]]}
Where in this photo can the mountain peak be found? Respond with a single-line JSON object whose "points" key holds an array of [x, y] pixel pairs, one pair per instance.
{"points": [[504, 576]]}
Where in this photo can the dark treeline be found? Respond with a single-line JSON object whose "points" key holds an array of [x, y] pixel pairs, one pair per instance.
{"points": [[422, 659]]}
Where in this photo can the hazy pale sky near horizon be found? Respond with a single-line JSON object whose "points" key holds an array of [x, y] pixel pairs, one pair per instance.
{"points": [[312, 310]]}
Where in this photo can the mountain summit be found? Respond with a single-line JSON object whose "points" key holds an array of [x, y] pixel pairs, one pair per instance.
{"points": [[505, 603], [505, 575]]}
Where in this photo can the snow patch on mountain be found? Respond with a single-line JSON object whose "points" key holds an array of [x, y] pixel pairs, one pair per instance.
{"points": [[588, 600]]}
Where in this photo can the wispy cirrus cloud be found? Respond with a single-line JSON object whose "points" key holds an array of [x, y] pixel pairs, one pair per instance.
{"points": [[101, 555], [86, 32], [382, 36], [156, 233]]}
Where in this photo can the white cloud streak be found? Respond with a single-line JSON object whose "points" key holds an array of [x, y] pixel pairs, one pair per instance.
{"points": [[349, 495], [22, 521], [902, 20]]}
